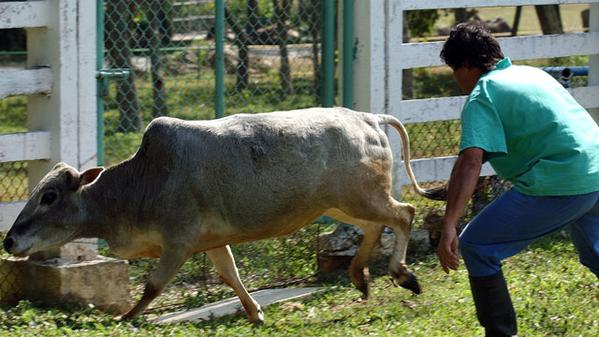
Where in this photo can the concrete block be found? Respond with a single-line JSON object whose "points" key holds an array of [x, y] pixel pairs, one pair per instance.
{"points": [[336, 249], [76, 251], [102, 282]]}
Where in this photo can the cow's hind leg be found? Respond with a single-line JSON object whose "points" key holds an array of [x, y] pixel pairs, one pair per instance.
{"points": [[397, 265], [399, 217], [358, 270], [223, 261]]}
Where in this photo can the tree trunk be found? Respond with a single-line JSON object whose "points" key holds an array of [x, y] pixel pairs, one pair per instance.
{"points": [[156, 37], [460, 15], [314, 33], [550, 19], [282, 13], [243, 55], [119, 27], [252, 21], [517, 20], [464, 14]]}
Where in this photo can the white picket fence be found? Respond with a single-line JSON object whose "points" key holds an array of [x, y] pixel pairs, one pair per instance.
{"points": [[59, 81], [381, 57]]}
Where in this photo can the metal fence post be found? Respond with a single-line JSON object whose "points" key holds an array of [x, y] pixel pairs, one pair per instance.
{"points": [[100, 82], [219, 63]]}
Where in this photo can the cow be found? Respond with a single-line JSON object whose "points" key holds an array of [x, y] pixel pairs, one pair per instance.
{"points": [[200, 186]]}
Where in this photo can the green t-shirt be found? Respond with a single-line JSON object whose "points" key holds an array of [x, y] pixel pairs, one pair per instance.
{"points": [[533, 132]]}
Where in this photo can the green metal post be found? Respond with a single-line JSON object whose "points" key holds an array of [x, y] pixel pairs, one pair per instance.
{"points": [[328, 53], [348, 54], [219, 63], [100, 84]]}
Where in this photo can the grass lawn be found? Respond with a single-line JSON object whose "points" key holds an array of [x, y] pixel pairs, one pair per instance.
{"points": [[553, 294]]}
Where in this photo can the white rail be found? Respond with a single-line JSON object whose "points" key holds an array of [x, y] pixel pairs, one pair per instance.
{"points": [[24, 14], [448, 108], [25, 82], [435, 169], [25, 146], [409, 5], [518, 48]]}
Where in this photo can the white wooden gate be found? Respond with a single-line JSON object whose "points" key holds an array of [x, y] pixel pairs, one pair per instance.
{"points": [[59, 81], [381, 57]]}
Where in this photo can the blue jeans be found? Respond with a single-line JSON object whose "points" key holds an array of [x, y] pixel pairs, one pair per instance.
{"points": [[514, 220]]}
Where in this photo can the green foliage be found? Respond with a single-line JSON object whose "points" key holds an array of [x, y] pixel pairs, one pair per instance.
{"points": [[120, 146], [192, 98], [13, 114], [264, 10], [421, 23]]}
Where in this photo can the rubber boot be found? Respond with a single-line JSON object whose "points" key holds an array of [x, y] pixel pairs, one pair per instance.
{"points": [[494, 308]]}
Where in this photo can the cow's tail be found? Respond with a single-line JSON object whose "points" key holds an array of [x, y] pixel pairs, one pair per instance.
{"points": [[439, 193]]}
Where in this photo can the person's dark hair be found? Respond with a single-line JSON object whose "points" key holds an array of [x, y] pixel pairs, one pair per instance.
{"points": [[471, 44]]}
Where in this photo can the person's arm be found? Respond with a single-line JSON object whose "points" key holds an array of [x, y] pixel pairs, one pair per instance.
{"points": [[463, 181]]}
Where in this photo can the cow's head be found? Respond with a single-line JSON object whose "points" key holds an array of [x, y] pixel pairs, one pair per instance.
{"points": [[53, 216]]}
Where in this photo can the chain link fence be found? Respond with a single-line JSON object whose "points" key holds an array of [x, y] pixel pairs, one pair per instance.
{"points": [[271, 62]]}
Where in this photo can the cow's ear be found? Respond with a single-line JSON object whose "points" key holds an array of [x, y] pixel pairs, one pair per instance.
{"points": [[71, 178], [90, 175]]}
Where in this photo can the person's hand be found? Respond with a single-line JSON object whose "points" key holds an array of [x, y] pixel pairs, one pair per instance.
{"points": [[447, 251]]}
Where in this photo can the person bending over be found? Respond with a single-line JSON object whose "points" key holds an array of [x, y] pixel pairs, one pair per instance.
{"points": [[535, 135]]}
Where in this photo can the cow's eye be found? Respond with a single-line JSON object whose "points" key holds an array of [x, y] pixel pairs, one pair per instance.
{"points": [[48, 198]]}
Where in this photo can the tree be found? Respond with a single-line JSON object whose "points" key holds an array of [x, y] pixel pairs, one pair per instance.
{"points": [[415, 23], [282, 14], [252, 23], [463, 14], [243, 55], [307, 21], [119, 26], [516, 23], [550, 19], [157, 16]]}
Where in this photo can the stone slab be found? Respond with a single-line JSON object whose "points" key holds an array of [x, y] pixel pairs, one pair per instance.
{"points": [[102, 282], [233, 305]]}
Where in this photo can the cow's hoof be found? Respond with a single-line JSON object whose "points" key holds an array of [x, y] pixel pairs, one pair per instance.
{"points": [[363, 287], [411, 283], [365, 291], [258, 319], [360, 277]]}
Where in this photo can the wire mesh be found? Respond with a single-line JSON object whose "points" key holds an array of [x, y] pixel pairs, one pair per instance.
{"points": [[9, 289], [14, 185], [271, 62], [13, 181]]}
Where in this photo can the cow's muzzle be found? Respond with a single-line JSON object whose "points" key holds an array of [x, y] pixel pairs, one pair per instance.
{"points": [[12, 247], [8, 244]]}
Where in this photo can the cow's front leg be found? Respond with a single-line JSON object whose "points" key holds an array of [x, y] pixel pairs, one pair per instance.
{"points": [[223, 261], [170, 261]]}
